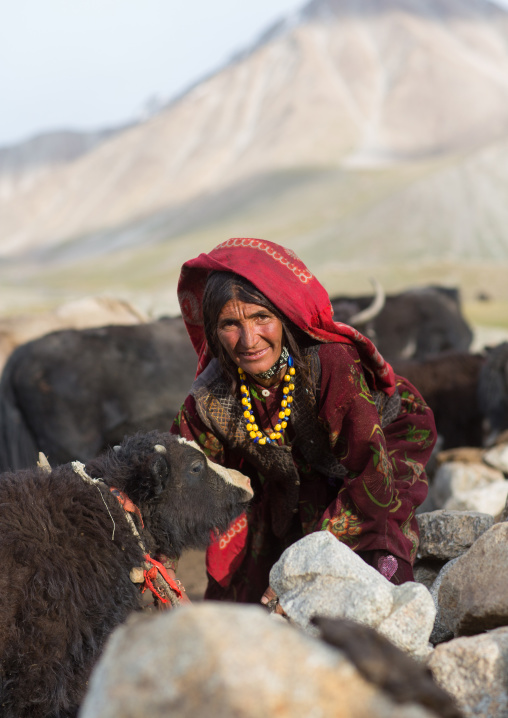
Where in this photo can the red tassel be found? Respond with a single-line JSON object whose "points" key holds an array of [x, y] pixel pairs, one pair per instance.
{"points": [[127, 504], [151, 574]]}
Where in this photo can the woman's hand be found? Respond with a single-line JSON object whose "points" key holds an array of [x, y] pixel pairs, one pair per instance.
{"points": [[271, 601]]}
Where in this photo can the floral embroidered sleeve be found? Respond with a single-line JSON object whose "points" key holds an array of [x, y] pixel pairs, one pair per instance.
{"points": [[189, 425], [385, 478]]}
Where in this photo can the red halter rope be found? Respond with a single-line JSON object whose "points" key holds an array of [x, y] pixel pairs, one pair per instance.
{"points": [[149, 574]]}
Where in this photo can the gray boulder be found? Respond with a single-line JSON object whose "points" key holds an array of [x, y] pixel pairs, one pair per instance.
{"points": [[469, 487], [448, 534], [473, 670], [426, 570], [490, 499], [473, 596], [319, 575], [497, 457], [230, 661], [440, 633], [503, 516]]}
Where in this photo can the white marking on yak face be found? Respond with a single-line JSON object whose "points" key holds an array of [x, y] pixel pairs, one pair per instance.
{"points": [[230, 476]]}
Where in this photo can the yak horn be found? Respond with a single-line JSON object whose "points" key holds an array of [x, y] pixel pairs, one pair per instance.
{"points": [[373, 309], [160, 449], [43, 463], [117, 447]]}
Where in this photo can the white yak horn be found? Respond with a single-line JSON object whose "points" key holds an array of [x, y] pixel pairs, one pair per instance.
{"points": [[160, 449], [43, 463], [373, 309]]}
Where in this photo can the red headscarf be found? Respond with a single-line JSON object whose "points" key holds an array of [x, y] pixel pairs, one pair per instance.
{"points": [[287, 283]]}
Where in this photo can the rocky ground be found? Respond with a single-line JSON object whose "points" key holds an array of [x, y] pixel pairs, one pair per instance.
{"points": [[352, 645]]}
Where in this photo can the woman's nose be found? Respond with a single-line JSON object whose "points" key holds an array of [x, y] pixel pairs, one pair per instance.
{"points": [[248, 336]]}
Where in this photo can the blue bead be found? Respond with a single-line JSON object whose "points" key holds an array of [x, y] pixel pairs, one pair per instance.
{"points": [[256, 440], [290, 361]]}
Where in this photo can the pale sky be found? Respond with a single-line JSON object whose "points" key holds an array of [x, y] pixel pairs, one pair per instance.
{"points": [[87, 64]]}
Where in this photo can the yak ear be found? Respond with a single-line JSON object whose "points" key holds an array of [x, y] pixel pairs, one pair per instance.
{"points": [[159, 472]]}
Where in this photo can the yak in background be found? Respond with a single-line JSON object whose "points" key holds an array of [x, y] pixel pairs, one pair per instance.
{"points": [[424, 335], [449, 384], [72, 393], [414, 324], [493, 392]]}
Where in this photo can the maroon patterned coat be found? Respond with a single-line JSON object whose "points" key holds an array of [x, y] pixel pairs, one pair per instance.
{"points": [[351, 462]]}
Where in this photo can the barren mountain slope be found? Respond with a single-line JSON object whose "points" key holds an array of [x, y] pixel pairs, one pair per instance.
{"points": [[348, 84]]}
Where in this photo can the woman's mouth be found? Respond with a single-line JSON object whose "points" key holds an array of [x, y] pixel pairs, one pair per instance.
{"points": [[253, 355]]}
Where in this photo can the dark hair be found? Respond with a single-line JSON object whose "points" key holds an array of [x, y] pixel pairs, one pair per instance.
{"points": [[220, 288]]}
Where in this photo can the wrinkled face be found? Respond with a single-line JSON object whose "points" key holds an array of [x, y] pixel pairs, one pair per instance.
{"points": [[251, 335]]}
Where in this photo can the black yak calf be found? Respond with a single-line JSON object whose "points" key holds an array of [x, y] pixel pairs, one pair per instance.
{"points": [[67, 549]]}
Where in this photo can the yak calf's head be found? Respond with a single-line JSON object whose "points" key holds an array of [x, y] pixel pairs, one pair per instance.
{"points": [[182, 495]]}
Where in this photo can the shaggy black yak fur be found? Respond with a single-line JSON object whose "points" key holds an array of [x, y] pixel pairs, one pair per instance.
{"points": [[64, 579]]}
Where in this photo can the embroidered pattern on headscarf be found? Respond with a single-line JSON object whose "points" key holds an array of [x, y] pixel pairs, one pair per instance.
{"points": [[301, 271]]}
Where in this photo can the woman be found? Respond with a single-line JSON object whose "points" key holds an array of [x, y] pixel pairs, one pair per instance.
{"points": [[307, 408]]}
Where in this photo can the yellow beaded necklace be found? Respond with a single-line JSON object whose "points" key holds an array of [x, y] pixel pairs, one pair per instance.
{"points": [[260, 437]]}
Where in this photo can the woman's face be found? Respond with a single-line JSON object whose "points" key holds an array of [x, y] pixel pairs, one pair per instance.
{"points": [[251, 335]]}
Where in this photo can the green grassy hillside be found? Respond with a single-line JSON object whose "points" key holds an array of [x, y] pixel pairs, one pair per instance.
{"points": [[441, 221]]}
